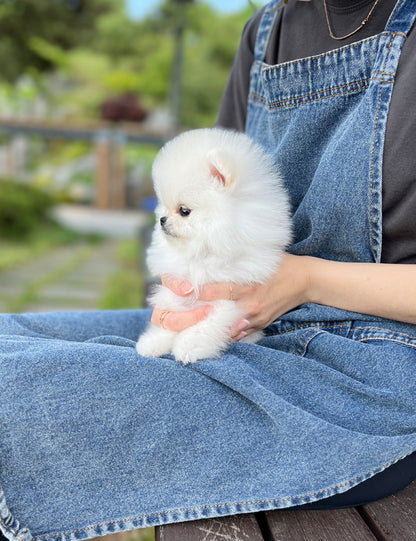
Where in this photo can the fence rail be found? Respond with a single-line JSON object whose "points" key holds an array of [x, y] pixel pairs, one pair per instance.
{"points": [[109, 140]]}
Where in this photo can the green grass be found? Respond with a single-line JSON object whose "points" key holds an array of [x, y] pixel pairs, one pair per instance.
{"points": [[41, 240]]}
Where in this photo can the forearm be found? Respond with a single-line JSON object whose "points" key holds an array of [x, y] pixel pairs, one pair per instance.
{"points": [[378, 289]]}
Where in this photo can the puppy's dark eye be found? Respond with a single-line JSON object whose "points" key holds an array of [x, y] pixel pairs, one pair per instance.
{"points": [[184, 211]]}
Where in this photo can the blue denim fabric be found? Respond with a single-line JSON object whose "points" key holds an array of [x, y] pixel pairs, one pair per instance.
{"points": [[95, 439]]}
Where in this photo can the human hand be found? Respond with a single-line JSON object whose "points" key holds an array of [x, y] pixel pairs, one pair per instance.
{"points": [[264, 303], [179, 321], [261, 303]]}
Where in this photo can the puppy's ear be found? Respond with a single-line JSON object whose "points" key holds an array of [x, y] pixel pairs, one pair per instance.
{"points": [[221, 168]]}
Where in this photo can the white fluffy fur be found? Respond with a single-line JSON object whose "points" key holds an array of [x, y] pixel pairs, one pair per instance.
{"points": [[238, 225]]}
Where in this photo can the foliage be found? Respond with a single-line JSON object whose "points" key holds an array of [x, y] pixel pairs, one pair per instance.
{"points": [[65, 23], [79, 53], [22, 207]]}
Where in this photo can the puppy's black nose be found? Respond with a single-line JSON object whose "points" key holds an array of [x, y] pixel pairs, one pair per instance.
{"points": [[163, 220]]}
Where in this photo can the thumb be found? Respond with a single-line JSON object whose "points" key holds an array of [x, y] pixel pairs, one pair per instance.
{"points": [[179, 321]]}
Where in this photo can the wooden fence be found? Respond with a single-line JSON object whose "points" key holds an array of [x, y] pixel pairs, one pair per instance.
{"points": [[109, 141]]}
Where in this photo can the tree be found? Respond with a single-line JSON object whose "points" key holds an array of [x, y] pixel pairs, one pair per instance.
{"points": [[65, 23], [96, 53]]}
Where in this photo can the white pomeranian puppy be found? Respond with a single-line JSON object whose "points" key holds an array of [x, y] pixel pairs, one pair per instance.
{"points": [[223, 216]]}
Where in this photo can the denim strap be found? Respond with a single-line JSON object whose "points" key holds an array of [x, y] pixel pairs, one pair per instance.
{"points": [[263, 33], [402, 17]]}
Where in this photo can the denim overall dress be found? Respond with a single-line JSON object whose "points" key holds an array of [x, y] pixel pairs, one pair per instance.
{"points": [[96, 440]]}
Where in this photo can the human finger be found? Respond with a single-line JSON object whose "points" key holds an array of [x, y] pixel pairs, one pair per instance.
{"points": [[179, 321], [178, 286], [239, 330], [222, 290]]}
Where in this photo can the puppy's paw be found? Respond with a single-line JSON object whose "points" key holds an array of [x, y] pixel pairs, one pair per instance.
{"points": [[254, 337], [155, 343], [147, 347], [189, 348]]}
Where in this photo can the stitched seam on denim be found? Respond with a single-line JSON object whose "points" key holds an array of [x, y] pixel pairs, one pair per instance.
{"points": [[382, 329], [305, 343], [392, 75], [322, 325], [296, 327], [384, 339], [296, 103], [303, 96], [328, 89], [328, 93], [406, 340], [11, 530], [301, 343], [374, 144], [164, 513], [331, 53], [299, 100], [372, 170], [257, 96]]}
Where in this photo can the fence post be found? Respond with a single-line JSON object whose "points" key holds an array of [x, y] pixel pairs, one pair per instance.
{"points": [[103, 170], [119, 171], [11, 159]]}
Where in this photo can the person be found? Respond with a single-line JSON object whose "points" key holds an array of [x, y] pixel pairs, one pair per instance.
{"points": [[322, 412]]}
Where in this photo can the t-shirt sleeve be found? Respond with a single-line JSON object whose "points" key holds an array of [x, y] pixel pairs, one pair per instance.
{"points": [[233, 108]]}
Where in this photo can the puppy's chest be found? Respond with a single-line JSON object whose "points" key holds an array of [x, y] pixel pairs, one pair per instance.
{"points": [[207, 268]]}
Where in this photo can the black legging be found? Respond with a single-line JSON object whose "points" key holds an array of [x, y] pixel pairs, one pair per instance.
{"points": [[383, 484]]}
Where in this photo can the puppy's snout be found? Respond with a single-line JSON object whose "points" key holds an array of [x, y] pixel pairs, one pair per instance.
{"points": [[166, 226]]}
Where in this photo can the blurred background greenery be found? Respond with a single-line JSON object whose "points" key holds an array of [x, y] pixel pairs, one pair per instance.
{"points": [[66, 57]]}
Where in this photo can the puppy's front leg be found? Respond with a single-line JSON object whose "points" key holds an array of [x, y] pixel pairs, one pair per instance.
{"points": [[155, 342], [208, 338]]}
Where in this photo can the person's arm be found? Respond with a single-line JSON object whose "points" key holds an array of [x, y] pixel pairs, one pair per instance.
{"points": [[383, 290], [233, 107], [377, 289]]}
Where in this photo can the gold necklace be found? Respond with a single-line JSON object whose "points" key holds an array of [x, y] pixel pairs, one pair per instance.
{"points": [[354, 31]]}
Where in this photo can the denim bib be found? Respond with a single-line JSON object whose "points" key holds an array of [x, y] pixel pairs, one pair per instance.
{"points": [[324, 120]]}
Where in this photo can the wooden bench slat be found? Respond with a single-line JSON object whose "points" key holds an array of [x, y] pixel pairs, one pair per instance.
{"points": [[394, 518], [302, 525], [230, 528], [391, 519]]}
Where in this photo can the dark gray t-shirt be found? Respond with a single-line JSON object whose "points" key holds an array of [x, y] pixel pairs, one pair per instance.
{"points": [[302, 31]]}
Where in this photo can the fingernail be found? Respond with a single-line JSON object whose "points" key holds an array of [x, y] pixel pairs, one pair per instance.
{"points": [[185, 288], [240, 336], [208, 309], [242, 325]]}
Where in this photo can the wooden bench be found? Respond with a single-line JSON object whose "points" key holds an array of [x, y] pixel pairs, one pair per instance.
{"points": [[391, 519]]}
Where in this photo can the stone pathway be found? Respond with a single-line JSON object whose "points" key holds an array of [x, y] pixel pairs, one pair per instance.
{"points": [[68, 278]]}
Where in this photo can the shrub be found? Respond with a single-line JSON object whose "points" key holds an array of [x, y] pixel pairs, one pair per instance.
{"points": [[22, 208]]}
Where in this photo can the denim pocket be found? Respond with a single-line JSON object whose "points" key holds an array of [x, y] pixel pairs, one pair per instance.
{"points": [[304, 340]]}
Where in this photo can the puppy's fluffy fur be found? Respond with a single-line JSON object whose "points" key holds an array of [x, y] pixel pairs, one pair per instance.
{"points": [[223, 216]]}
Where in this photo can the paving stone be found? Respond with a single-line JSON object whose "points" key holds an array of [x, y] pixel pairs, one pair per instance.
{"points": [[85, 268]]}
